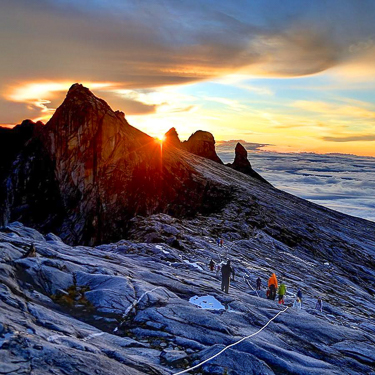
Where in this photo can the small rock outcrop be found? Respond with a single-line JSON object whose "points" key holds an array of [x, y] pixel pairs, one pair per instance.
{"points": [[202, 143], [241, 163], [171, 137]]}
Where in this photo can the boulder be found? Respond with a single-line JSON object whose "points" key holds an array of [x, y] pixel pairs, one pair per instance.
{"points": [[172, 357]]}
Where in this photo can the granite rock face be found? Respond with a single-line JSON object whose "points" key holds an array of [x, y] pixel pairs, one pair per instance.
{"points": [[89, 172], [202, 143], [242, 164]]}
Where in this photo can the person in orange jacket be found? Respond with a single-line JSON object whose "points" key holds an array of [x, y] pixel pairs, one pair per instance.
{"points": [[272, 285]]}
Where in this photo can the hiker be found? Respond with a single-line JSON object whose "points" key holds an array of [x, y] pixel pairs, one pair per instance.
{"points": [[30, 253], [297, 304], [221, 242], [282, 292], [319, 305], [268, 293], [272, 285], [299, 295], [218, 241], [259, 283], [226, 270], [232, 274], [212, 265]]}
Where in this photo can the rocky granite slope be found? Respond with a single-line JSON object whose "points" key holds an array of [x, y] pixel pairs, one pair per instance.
{"points": [[124, 307]]}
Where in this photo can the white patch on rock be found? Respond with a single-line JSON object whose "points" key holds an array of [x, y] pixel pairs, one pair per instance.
{"points": [[207, 302], [195, 265]]}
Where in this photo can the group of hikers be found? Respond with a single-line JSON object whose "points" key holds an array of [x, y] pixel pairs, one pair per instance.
{"points": [[273, 288]]}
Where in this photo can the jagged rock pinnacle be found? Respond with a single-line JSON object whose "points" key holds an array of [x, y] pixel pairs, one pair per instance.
{"points": [[202, 143], [241, 163], [171, 137]]}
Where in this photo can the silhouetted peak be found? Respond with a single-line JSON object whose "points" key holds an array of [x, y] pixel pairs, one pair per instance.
{"points": [[78, 87], [202, 143], [171, 136], [241, 156], [202, 136], [28, 124], [242, 164], [81, 95]]}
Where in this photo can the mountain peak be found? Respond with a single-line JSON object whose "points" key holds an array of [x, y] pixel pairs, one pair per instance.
{"points": [[202, 143], [78, 87], [171, 137], [242, 164]]}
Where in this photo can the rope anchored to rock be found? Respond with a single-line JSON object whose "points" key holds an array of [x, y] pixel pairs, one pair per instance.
{"points": [[247, 282], [133, 305], [231, 345]]}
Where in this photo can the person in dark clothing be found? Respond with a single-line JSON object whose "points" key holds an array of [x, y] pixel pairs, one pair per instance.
{"points": [[259, 283], [319, 305], [232, 274], [299, 295], [212, 265], [30, 253], [226, 270], [272, 292]]}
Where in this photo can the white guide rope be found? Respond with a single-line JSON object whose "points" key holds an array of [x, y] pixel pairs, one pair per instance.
{"points": [[229, 346], [135, 303], [247, 282]]}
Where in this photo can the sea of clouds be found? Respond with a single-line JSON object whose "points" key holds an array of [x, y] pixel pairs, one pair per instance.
{"points": [[344, 183]]}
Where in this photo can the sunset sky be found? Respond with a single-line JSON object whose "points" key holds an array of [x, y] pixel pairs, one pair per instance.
{"points": [[295, 75]]}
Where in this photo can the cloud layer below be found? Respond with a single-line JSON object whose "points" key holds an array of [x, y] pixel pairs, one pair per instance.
{"points": [[344, 183]]}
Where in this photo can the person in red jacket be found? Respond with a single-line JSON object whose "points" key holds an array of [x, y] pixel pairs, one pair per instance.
{"points": [[212, 265], [272, 285]]}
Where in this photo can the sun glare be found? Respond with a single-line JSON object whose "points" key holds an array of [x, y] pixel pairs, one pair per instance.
{"points": [[161, 138]]}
